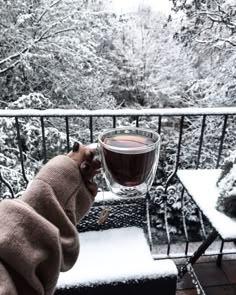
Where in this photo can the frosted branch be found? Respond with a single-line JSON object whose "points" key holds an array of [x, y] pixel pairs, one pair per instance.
{"points": [[49, 29], [13, 56], [228, 41], [46, 10], [9, 68], [58, 32]]}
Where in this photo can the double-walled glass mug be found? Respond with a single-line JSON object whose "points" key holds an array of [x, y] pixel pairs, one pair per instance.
{"points": [[129, 158]]}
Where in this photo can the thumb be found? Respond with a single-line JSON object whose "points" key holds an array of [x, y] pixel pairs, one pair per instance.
{"points": [[77, 153]]}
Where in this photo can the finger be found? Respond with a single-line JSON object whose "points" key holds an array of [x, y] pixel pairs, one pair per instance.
{"points": [[90, 151], [96, 164], [92, 187], [89, 154], [92, 174], [89, 176], [89, 170], [77, 153], [93, 165]]}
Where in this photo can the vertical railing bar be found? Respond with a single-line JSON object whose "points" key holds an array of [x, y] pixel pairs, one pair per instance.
{"points": [[159, 132], [137, 121], [169, 180], [180, 141], [159, 124], [177, 155], [67, 134], [222, 140], [202, 224], [44, 139], [201, 140], [149, 222], [166, 224], [91, 128], [114, 121], [20, 150], [184, 222]]}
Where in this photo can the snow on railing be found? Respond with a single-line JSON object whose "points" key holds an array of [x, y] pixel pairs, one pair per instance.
{"points": [[120, 112]]}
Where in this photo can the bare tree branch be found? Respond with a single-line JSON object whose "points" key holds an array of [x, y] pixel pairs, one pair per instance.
{"points": [[50, 28], [58, 32], [203, 41], [215, 20], [10, 67], [13, 56], [47, 9], [227, 41], [206, 29], [42, 37]]}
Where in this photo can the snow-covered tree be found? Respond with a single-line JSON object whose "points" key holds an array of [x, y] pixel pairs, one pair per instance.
{"points": [[208, 29], [55, 47]]}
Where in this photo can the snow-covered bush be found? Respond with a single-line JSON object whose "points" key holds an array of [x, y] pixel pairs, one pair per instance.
{"points": [[32, 100], [30, 142], [227, 187]]}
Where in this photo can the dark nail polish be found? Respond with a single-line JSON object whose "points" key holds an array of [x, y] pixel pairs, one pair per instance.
{"points": [[76, 147]]}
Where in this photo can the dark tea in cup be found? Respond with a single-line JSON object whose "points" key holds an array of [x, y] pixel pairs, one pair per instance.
{"points": [[131, 163], [129, 159]]}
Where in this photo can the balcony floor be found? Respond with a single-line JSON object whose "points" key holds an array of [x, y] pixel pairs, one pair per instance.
{"points": [[214, 280]]}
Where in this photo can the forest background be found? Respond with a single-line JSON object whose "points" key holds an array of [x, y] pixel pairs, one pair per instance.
{"points": [[82, 55]]}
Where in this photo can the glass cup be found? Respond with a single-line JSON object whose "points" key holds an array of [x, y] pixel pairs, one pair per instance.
{"points": [[129, 158]]}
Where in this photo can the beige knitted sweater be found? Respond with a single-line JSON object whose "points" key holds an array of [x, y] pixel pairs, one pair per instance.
{"points": [[38, 237]]}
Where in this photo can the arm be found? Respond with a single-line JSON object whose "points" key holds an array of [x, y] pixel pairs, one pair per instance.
{"points": [[38, 237]]}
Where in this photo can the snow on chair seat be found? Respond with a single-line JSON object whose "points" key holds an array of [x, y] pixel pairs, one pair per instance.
{"points": [[117, 260]]}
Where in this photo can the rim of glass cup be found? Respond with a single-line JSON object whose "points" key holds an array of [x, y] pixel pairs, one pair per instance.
{"points": [[135, 150]]}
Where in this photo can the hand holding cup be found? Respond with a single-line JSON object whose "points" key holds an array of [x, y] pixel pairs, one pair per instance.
{"points": [[89, 167]]}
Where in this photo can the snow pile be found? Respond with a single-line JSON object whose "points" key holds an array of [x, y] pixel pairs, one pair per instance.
{"points": [[114, 255]]}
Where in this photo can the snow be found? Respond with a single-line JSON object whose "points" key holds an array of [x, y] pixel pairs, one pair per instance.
{"points": [[201, 185], [121, 112], [107, 196], [228, 3], [124, 6], [114, 255]]}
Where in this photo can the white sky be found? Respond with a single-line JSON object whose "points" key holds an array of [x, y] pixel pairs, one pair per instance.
{"points": [[124, 6]]}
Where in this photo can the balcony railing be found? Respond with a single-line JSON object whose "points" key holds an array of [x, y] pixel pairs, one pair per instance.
{"points": [[191, 138]]}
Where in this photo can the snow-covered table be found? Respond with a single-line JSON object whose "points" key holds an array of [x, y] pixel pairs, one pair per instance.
{"points": [[116, 261], [201, 186]]}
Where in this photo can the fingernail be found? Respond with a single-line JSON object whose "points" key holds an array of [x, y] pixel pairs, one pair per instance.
{"points": [[75, 147]]}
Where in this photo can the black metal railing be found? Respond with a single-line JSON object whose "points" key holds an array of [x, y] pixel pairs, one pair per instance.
{"points": [[191, 138]]}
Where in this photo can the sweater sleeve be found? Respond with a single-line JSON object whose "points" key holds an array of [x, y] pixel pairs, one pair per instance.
{"points": [[38, 237]]}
